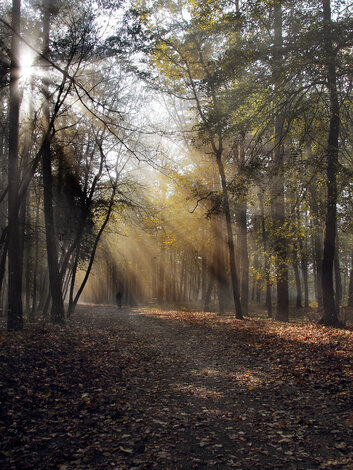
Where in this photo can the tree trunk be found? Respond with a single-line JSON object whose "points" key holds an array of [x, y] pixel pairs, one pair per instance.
{"points": [[74, 267], [297, 281], [153, 278], [277, 199], [35, 267], [267, 266], [243, 255], [338, 280], [28, 261], [174, 276], [257, 283], [55, 281], [207, 299], [161, 276], [203, 275], [317, 247], [218, 264], [330, 311], [94, 249], [4, 243], [182, 275], [15, 314], [304, 269], [350, 286], [318, 269], [231, 251]]}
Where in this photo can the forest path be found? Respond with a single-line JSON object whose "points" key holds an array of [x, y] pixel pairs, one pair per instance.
{"points": [[143, 388]]}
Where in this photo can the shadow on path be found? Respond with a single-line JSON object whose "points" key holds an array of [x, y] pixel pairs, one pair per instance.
{"points": [[141, 388]]}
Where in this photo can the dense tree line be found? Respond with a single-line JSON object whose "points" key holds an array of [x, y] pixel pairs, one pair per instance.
{"points": [[268, 83], [246, 139], [65, 143], [264, 97]]}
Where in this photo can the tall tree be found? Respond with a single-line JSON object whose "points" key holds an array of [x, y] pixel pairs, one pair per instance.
{"points": [[330, 309], [15, 317], [278, 198], [55, 280], [186, 59]]}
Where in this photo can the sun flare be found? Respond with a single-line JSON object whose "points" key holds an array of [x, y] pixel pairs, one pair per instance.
{"points": [[27, 59]]}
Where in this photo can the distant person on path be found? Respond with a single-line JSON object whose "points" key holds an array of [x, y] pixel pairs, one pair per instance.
{"points": [[118, 299]]}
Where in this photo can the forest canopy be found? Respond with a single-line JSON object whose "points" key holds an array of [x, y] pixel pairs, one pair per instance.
{"points": [[191, 153]]}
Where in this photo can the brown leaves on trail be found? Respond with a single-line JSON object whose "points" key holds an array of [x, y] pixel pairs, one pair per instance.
{"points": [[56, 386], [305, 351], [151, 389]]}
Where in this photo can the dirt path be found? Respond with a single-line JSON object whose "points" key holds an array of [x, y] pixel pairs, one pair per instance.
{"points": [[139, 389]]}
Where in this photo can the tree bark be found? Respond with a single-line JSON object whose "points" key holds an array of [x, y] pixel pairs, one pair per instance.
{"points": [[207, 299], [350, 285], [267, 267], [330, 311], [74, 267], [161, 276], [338, 279], [231, 250], [316, 243], [4, 243], [94, 249], [278, 199], [55, 281], [304, 269], [15, 314], [297, 281], [243, 255], [32, 313], [218, 263], [203, 275]]}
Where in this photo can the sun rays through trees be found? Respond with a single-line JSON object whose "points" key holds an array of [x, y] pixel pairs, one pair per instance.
{"points": [[180, 153]]}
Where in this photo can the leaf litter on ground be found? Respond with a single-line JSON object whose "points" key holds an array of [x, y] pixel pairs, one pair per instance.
{"points": [[146, 388]]}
